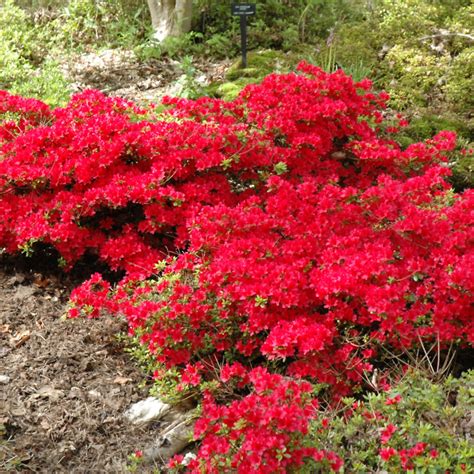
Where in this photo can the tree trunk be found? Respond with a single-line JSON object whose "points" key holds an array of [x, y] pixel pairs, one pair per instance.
{"points": [[170, 17]]}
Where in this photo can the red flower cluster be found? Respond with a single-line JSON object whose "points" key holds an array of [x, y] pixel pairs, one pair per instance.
{"points": [[406, 455], [305, 239], [261, 433]]}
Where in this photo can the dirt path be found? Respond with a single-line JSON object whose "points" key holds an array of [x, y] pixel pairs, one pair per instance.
{"points": [[119, 73], [64, 384]]}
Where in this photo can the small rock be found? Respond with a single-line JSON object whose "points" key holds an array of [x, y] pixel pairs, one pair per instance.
{"points": [[147, 410], [173, 439], [4, 351], [4, 379]]}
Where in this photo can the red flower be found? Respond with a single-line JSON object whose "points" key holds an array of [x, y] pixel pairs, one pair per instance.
{"points": [[387, 433], [387, 453]]}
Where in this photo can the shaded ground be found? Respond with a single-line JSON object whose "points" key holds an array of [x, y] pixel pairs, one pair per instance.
{"points": [[118, 72], [64, 384]]}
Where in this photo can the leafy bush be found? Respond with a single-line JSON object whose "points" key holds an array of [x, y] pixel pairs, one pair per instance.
{"points": [[14, 45], [417, 425], [460, 80], [414, 75], [263, 432], [295, 242], [23, 67], [417, 49], [77, 24]]}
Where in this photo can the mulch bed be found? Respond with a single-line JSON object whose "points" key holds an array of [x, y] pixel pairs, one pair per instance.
{"points": [[64, 384]]}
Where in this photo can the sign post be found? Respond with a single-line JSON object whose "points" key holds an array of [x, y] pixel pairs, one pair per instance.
{"points": [[243, 10]]}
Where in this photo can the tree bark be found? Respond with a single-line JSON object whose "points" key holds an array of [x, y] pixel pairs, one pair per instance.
{"points": [[170, 17]]}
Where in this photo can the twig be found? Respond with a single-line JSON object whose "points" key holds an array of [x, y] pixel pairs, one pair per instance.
{"points": [[440, 35]]}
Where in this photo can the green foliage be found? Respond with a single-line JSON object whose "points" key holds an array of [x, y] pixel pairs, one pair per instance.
{"points": [[23, 67], [403, 21], [48, 83], [218, 46], [77, 24], [189, 85], [463, 172], [357, 42], [259, 64], [415, 49], [426, 125], [414, 75], [460, 81], [436, 414], [14, 44], [278, 25]]}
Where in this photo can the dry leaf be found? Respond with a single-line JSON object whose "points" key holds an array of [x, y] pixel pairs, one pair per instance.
{"points": [[41, 281], [122, 380], [5, 329], [20, 338], [48, 392]]}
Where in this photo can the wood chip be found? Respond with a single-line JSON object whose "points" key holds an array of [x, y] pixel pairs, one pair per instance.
{"points": [[122, 380], [20, 338]]}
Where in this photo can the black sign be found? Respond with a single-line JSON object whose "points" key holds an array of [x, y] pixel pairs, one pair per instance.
{"points": [[244, 9]]}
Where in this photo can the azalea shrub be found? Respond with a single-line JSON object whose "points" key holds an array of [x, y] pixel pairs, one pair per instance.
{"points": [[263, 432], [273, 243]]}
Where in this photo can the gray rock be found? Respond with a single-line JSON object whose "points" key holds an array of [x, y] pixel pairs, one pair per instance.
{"points": [[173, 439]]}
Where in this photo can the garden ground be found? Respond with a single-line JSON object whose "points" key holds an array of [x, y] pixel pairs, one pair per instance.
{"points": [[64, 384]]}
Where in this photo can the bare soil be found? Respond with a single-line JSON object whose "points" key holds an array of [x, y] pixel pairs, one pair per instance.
{"points": [[120, 73], [64, 384]]}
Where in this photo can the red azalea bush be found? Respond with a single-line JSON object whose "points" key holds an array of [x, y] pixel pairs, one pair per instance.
{"points": [[106, 177], [302, 238], [263, 432]]}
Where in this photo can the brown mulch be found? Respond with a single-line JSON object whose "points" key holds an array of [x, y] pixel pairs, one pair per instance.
{"points": [[64, 384], [120, 73]]}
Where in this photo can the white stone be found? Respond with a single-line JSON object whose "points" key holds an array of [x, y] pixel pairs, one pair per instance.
{"points": [[188, 458], [4, 379], [147, 410]]}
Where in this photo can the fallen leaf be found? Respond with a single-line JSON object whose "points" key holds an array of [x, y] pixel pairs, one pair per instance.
{"points": [[48, 392], [40, 324], [5, 329], [20, 338], [122, 380], [45, 425], [41, 281]]}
